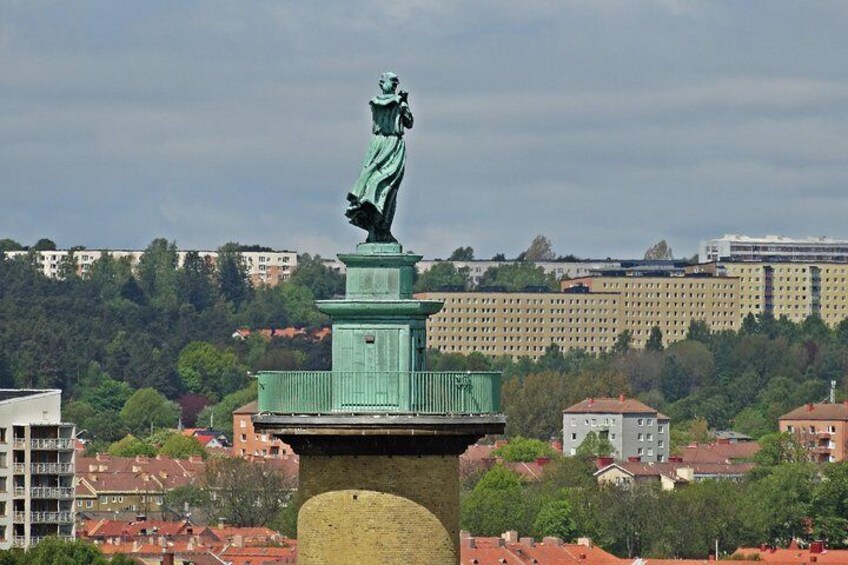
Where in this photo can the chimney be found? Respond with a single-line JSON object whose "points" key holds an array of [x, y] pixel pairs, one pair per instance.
{"points": [[168, 558], [221, 523], [469, 543], [554, 541], [711, 556], [605, 461], [634, 459], [526, 542], [510, 537], [810, 407], [591, 402], [816, 546], [587, 542], [621, 398]]}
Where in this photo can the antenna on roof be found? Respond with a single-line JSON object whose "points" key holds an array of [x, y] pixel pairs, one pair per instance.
{"points": [[833, 392]]}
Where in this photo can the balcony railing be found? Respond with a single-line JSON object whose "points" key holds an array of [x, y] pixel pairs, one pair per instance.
{"points": [[19, 468], [20, 541], [50, 517], [336, 392], [19, 443], [19, 517], [20, 491], [51, 492], [52, 443], [52, 468]]}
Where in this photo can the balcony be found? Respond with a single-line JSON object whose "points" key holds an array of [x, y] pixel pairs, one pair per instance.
{"points": [[336, 392], [19, 492], [20, 541], [52, 468], [51, 492], [52, 444], [19, 443], [19, 468], [19, 517], [51, 517]]}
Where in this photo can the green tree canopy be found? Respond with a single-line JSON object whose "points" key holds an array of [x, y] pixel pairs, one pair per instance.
{"points": [[131, 446], [148, 409], [655, 340], [209, 370], [441, 276], [313, 273], [525, 449], [179, 446], [517, 277], [462, 254]]}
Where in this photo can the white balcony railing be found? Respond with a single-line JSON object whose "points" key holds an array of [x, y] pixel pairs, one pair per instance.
{"points": [[51, 492], [52, 468], [19, 517], [19, 468], [20, 541], [51, 443], [19, 443], [50, 517], [20, 491]]}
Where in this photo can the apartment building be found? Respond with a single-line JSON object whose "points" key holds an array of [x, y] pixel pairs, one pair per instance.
{"points": [[791, 289], [247, 442], [267, 268], [559, 269], [523, 323], [36, 468], [821, 428], [636, 431], [735, 247], [668, 301]]}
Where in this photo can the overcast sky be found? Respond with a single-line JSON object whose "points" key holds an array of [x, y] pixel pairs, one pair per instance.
{"points": [[605, 125]]}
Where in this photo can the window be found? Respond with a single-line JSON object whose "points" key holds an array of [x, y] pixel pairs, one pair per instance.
{"points": [[612, 436], [660, 429], [639, 451], [594, 422], [573, 437], [660, 443], [650, 451], [650, 421], [572, 451], [650, 437], [639, 437], [2, 435], [243, 423], [640, 422], [573, 422]]}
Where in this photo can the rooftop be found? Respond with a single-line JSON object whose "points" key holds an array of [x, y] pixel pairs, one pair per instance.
{"points": [[824, 411], [15, 393], [620, 405]]}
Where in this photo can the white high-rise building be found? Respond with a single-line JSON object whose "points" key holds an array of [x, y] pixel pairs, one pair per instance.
{"points": [[36, 468], [734, 247]]}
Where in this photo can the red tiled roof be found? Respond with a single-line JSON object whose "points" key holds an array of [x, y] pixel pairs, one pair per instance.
{"points": [[250, 408], [492, 551], [818, 412], [794, 556], [612, 406], [719, 452]]}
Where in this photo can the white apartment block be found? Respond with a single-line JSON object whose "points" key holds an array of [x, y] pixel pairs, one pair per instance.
{"points": [[736, 247], [36, 468], [264, 267], [560, 269]]}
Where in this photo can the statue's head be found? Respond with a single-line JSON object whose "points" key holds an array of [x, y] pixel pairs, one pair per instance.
{"points": [[389, 82]]}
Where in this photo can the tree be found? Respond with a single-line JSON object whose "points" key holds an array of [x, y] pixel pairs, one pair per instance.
{"points": [[517, 277], [157, 273], [556, 518], [655, 340], [131, 446], [752, 422], [462, 254], [55, 551], [780, 504], [247, 493], [778, 448], [830, 505], [44, 244], [659, 251], [499, 257], [593, 446], [623, 342], [148, 409], [525, 449], [233, 279], [442, 276], [540, 249], [495, 505], [698, 331], [196, 281], [220, 416], [205, 369], [178, 446], [10, 245], [322, 281]]}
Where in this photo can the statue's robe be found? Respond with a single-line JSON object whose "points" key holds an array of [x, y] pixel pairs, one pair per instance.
{"points": [[372, 200]]}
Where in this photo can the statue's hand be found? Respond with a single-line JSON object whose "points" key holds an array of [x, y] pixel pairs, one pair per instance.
{"points": [[404, 96]]}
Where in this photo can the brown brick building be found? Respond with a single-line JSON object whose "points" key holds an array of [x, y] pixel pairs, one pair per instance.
{"points": [[821, 428], [247, 442]]}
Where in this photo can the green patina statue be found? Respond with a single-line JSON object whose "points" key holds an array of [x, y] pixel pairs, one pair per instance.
{"points": [[373, 198]]}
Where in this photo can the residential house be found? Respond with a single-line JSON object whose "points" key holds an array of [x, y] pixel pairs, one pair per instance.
{"points": [[821, 428]]}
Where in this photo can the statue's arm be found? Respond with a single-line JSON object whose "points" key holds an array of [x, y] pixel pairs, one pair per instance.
{"points": [[406, 115]]}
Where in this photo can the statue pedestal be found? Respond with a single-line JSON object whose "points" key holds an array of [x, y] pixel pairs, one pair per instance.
{"points": [[379, 436]]}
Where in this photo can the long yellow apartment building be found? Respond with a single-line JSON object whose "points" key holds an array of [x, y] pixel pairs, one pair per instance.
{"points": [[591, 311]]}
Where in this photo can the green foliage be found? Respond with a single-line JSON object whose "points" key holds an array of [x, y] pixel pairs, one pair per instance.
{"points": [[462, 254], [556, 518], [221, 414], [780, 447], [10, 245], [655, 340], [518, 276], [44, 244], [312, 273], [131, 446], [233, 279], [496, 504], [147, 410], [525, 449], [53, 551], [208, 370], [442, 276], [594, 446], [182, 447], [540, 249]]}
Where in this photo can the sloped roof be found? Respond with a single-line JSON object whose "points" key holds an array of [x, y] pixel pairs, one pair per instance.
{"points": [[825, 411], [250, 408], [719, 452], [612, 406]]}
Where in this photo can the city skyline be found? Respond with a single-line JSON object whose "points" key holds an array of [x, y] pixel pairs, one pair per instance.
{"points": [[604, 125]]}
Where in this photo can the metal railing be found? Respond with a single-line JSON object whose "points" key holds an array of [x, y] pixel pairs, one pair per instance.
{"points": [[50, 517], [51, 443], [20, 541], [19, 517], [51, 468], [421, 392], [20, 491], [51, 492], [19, 443], [19, 468]]}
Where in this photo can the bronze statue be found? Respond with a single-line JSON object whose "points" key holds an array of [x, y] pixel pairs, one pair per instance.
{"points": [[373, 198]]}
